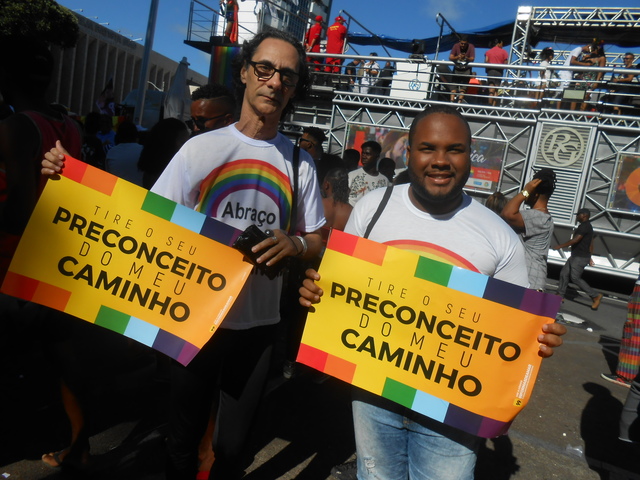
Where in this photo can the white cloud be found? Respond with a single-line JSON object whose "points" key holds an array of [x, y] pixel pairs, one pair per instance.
{"points": [[451, 10]]}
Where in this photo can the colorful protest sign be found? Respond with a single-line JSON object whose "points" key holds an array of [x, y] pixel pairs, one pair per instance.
{"points": [[449, 343], [114, 254]]}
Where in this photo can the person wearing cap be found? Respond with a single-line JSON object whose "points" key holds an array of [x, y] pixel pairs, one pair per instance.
{"points": [[371, 71], [336, 35], [581, 247], [312, 42]]}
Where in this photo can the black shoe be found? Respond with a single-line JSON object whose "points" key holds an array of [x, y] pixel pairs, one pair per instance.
{"points": [[346, 471]]}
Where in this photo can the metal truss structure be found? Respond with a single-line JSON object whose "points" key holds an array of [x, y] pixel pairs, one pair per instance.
{"points": [[591, 174], [530, 18], [596, 155]]}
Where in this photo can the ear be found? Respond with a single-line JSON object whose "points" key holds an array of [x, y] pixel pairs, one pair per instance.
{"points": [[243, 74]]}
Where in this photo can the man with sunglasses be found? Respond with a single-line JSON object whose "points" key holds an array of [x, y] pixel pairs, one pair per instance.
{"points": [[212, 107], [241, 175], [311, 140]]}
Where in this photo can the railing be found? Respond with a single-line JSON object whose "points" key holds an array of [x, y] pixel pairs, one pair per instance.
{"points": [[417, 79], [203, 21]]}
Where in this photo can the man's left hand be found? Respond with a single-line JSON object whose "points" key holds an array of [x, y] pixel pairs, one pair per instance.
{"points": [[280, 245]]}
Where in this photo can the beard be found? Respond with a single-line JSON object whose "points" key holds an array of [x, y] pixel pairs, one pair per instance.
{"points": [[438, 200]]}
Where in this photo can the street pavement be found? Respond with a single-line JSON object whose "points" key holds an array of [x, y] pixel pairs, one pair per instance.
{"points": [[567, 431]]}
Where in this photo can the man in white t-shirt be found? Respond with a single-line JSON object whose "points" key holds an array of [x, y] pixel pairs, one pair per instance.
{"points": [[371, 71], [367, 178], [432, 212], [241, 175], [574, 59]]}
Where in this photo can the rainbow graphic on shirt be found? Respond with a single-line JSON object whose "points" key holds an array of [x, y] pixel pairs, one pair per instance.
{"points": [[447, 342], [253, 177], [434, 252]]}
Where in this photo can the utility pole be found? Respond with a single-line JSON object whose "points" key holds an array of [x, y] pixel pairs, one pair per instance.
{"points": [[144, 68]]}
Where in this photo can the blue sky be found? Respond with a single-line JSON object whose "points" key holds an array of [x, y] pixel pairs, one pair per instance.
{"points": [[397, 18]]}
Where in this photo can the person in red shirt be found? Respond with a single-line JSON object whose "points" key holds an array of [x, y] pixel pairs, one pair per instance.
{"points": [[498, 56], [312, 42], [336, 35]]}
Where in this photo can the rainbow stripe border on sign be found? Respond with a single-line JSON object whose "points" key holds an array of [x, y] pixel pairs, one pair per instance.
{"points": [[132, 327], [460, 279]]}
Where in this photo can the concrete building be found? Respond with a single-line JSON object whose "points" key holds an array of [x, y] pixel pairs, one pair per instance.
{"points": [[101, 54]]}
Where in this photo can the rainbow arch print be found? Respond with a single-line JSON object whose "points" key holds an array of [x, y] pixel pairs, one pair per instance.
{"points": [[249, 175], [434, 252]]}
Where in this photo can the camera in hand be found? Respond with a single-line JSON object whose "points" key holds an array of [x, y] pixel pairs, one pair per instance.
{"points": [[251, 236]]}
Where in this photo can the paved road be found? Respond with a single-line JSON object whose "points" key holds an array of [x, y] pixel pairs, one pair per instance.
{"points": [[568, 431]]}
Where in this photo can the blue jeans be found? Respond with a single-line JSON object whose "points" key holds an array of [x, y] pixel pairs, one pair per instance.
{"points": [[395, 443], [573, 268]]}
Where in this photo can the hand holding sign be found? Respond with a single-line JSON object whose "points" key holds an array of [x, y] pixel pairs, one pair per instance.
{"points": [[54, 160], [413, 339]]}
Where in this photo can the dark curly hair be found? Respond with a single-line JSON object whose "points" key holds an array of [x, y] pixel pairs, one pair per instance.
{"points": [[316, 133], [249, 49], [338, 178], [548, 181]]}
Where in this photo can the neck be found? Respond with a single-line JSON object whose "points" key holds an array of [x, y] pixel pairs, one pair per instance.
{"points": [[541, 205], [435, 208], [370, 168], [256, 126]]}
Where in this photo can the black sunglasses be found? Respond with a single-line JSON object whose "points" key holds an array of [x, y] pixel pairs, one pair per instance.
{"points": [[265, 71], [305, 140], [200, 121]]}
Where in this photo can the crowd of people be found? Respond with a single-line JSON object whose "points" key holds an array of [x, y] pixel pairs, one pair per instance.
{"points": [[460, 83], [213, 400]]}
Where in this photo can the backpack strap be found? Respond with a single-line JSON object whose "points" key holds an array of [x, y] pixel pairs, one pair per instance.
{"points": [[376, 216], [294, 197]]}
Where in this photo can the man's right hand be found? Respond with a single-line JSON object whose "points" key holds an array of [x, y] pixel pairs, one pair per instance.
{"points": [[54, 160]]}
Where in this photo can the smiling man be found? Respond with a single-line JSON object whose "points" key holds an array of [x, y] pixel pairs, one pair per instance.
{"points": [[432, 213], [244, 167]]}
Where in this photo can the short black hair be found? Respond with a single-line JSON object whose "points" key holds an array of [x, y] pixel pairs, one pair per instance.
{"points": [[220, 94], [249, 49], [433, 109], [212, 90], [351, 158], [548, 181], [316, 133], [373, 145]]}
